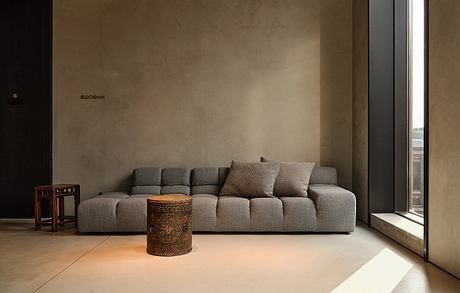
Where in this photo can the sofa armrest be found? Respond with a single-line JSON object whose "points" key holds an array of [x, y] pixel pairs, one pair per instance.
{"points": [[335, 208], [98, 215]]}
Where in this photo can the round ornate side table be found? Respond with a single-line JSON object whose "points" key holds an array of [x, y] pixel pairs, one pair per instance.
{"points": [[169, 224]]}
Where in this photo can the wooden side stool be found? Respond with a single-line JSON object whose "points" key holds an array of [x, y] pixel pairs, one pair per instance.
{"points": [[169, 224], [56, 194]]}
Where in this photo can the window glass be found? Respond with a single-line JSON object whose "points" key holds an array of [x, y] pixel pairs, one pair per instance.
{"points": [[416, 104]]}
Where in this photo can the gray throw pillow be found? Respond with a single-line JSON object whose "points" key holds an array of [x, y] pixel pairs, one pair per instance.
{"points": [[251, 179], [293, 178]]}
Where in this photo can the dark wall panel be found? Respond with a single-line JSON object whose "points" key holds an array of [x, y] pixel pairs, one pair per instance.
{"points": [[381, 118], [25, 103], [401, 106]]}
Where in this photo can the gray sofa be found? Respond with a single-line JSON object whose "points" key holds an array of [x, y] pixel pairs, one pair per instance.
{"points": [[328, 208]]}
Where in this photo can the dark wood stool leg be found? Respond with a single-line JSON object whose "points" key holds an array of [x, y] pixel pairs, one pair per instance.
{"points": [[38, 212], [54, 210], [76, 203], [61, 208]]}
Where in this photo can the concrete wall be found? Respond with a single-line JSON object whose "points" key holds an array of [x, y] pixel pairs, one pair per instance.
{"points": [[336, 88], [360, 106], [198, 83], [444, 123]]}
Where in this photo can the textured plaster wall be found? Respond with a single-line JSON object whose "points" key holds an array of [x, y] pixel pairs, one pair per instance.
{"points": [[336, 88], [360, 106], [187, 83], [198, 83], [444, 123]]}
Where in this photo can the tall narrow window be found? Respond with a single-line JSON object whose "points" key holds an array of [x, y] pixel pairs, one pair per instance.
{"points": [[416, 104]]}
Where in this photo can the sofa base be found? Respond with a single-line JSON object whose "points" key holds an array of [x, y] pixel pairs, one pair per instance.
{"points": [[328, 209]]}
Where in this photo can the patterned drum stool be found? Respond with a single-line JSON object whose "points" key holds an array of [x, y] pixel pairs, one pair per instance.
{"points": [[169, 224]]}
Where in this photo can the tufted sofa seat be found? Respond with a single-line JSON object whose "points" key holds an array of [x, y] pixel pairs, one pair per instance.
{"points": [[328, 208]]}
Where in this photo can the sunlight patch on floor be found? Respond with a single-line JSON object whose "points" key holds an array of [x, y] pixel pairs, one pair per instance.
{"points": [[381, 274]]}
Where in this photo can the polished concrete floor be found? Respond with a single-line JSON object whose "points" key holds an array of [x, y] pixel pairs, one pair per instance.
{"points": [[363, 261]]}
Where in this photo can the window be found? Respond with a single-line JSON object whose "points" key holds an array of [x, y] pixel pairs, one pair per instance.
{"points": [[416, 104]]}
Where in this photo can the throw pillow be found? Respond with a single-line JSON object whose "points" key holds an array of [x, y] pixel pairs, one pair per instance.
{"points": [[251, 179], [293, 178]]}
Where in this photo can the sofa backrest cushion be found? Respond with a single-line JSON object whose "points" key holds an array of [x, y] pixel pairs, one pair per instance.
{"points": [[175, 176], [201, 180], [205, 176], [223, 172], [208, 180], [147, 177], [323, 175], [161, 181]]}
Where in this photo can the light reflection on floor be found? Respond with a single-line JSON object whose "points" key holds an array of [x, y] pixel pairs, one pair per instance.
{"points": [[381, 274]]}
